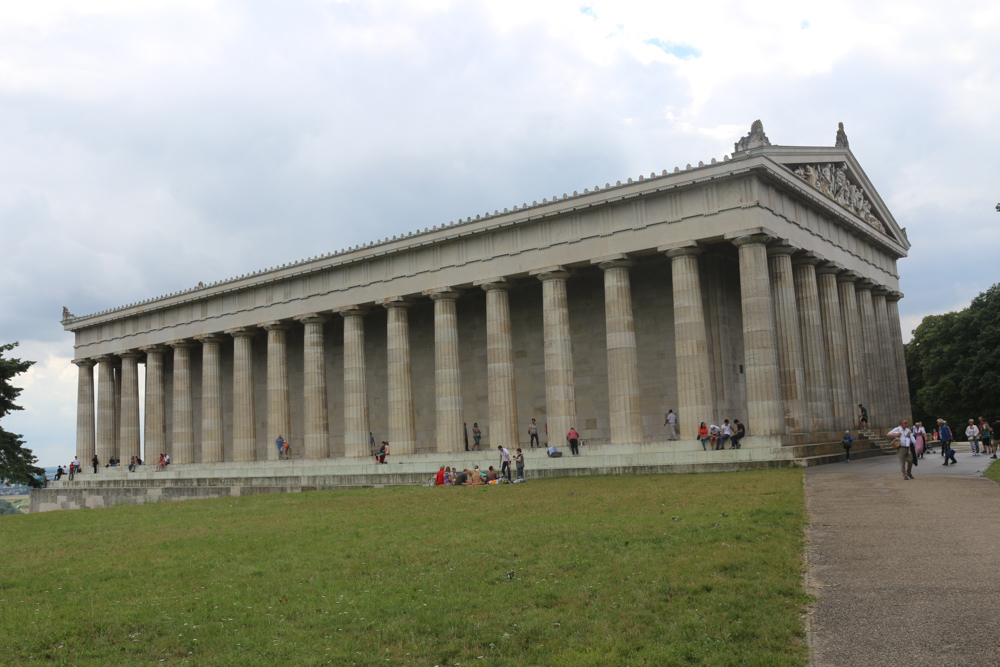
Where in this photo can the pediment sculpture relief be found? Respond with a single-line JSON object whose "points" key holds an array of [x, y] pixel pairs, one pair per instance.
{"points": [[831, 179]]}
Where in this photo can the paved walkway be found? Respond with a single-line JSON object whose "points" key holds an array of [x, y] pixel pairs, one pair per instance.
{"points": [[906, 572]]}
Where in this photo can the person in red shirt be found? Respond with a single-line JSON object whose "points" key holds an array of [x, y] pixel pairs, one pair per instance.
{"points": [[574, 441], [439, 479]]}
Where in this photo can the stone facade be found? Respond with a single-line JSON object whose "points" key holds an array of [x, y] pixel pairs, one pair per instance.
{"points": [[747, 289]]}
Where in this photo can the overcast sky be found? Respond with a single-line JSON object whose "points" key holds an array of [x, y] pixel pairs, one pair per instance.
{"points": [[150, 145]]}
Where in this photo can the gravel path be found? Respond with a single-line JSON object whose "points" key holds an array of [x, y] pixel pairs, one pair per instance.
{"points": [[906, 572]]}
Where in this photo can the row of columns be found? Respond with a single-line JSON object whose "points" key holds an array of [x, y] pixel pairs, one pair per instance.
{"points": [[816, 339]]}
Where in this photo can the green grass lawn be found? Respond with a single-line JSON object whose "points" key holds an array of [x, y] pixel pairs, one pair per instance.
{"points": [[642, 570], [993, 472]]}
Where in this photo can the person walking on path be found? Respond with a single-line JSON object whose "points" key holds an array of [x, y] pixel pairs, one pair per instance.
{"points": [[864, 415], [671, 424], [279, 442], [519, 464], [504, 462], [986, 437], [95, 462], [920, 435], [847, 442], [477, 435], [944, 433], [906, 450], [574, 441], [533, 434], [972, 433]]}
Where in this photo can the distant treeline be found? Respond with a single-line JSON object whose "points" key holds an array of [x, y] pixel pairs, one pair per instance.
{"points": [[953, 363]]}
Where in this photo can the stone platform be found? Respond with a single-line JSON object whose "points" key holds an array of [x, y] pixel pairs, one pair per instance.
{"points": [[118, 486]]}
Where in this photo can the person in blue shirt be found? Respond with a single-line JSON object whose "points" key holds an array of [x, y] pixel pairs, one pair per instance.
{"points": [[847, 442], [944, 433], [280, 444]]}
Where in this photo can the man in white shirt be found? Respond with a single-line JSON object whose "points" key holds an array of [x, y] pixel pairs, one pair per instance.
{"points": [[505, 461], [972, 433], [671, 424], [713, 432], [907, 457], [727, 431]]}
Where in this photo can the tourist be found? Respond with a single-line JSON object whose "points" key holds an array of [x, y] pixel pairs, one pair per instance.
{"points": [[985, 436], [920, 435], [847, 442], [741, 431], [727, 431], [166, 459], [905, 451], [944, 434], [864, 416], [972, 433], [72, 469], [131, 464], [553, 451], [671, 424], [477, 435], [574, 441], [533, 434], [703, 435], [162, 465], [95, 462], [287, 445], [382, 452], [280, 444], [491, 475], [713, 434], [59, 473], [462, 479], [994, 428], [505, 461], [478, 478], [76, 463], [449, 476], [519, 463], [439, 478]]}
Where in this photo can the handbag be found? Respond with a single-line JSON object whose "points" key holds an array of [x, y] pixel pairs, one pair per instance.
{"points": [[895, 443]]}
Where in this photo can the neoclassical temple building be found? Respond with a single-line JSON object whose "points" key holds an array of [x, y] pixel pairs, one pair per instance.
{"points": [[762, 287]]}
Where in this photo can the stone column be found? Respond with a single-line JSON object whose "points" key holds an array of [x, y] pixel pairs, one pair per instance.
{"points": [[182, 414], [901, 383], [105, 408], [866, 313], [764, 409], [117, 372], [854, 344], [836, 348], [356, 425], [317, 421], [86, 441], [818, 402], [244, 417], [560, 386], [623, 361], [786, 322], [694, 367], [128, 434], [212, 444], [155, 426], [447, 374], [402, 424], [887, 371], [278, 417], [500, 366]]}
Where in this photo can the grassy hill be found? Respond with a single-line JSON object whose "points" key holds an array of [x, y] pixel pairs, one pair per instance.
{"points": [[645, 570]]}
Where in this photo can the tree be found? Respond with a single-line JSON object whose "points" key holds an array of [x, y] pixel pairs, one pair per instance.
{"points": [[17, 463], [953, 363]]}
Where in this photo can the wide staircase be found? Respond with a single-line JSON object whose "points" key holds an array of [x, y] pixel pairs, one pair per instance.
{"points": [[882, 442]]}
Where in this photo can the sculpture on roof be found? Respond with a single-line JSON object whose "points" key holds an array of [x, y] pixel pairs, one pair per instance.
{"points": [[755, 139], [66, 314], [842, 141]]}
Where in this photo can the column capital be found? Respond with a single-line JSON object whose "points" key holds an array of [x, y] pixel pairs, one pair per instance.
{"points": [[158, 347], [394, 302], [808, 257], [242, 332], [85, 363], [829, 268], [893, 296], [182, 343], [110, 358], [442, 294], [311, 318], [275, 325], [781, 248], [847, 277], [681, 249], [880, 290], [210, 338], [555, 272], [752, 236], [130, 354], [864, 284], [352, 311], [619, 260], [494, 284]]}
